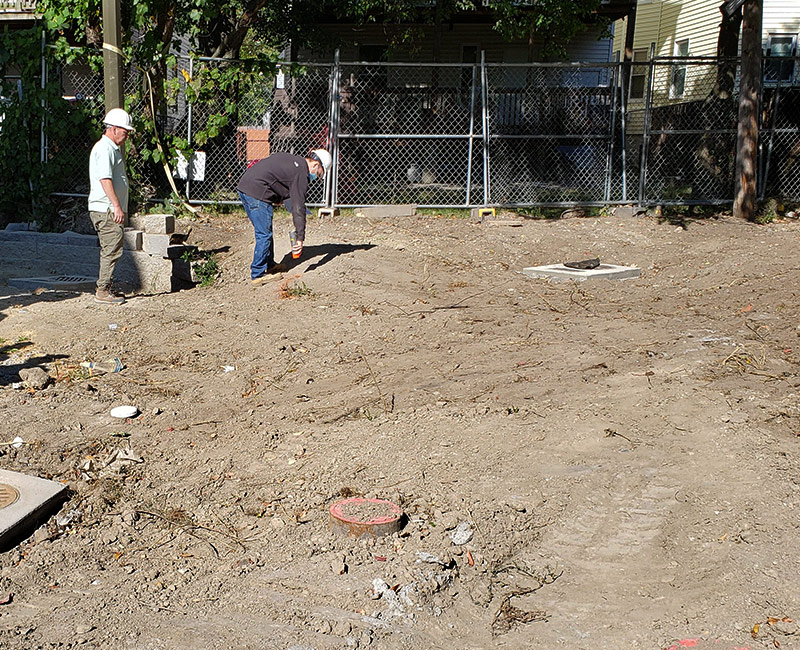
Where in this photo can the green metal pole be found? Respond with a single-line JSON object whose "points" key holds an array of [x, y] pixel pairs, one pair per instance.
{"points": [[112, 54]]}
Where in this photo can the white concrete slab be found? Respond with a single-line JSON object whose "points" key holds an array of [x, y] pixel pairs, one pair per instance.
{"points": [[561, 272], [37, 499]]}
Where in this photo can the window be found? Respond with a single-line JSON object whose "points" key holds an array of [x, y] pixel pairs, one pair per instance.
{"points": [[469, 54], [677, 85], [639, 74], [778, 47]]}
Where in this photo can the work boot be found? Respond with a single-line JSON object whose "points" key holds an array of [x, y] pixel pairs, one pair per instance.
{"points": [[108, 297], [269, 276], [278, 268]]}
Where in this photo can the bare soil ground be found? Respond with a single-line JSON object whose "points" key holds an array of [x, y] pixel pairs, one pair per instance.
{"points": [[617, 460]]}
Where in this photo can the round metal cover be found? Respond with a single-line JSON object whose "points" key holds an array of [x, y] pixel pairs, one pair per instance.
{"points": [[8, 495]]}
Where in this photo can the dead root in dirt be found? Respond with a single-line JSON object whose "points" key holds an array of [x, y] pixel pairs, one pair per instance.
{"points": [[508, 615], [742, 360], [184, 522]]}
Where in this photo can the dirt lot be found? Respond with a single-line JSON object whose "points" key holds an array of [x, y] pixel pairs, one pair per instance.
{"points": [[617, 460]]}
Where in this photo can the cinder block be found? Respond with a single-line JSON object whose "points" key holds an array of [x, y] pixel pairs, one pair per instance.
{"points": [[24, 226], [159, 224], [64, 254], [480, 213], [155, 244], [183, 270], [132, 239], [408, 210], [328, 212], [177, 251], [140, 271], [18, 250]]}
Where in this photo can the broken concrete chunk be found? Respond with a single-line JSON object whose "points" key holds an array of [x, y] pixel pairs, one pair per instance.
{"points": [[35, 378]]}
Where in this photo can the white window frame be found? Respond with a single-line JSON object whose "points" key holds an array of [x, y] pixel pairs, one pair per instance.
{"points": [[640, 71], [794, 74], [678, 74]]}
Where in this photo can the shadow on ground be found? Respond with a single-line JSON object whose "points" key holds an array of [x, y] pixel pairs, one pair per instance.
{"points": [[326, 251], [16, 298]]}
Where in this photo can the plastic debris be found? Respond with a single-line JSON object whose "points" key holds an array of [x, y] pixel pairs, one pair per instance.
{"points": [[102, 367]]}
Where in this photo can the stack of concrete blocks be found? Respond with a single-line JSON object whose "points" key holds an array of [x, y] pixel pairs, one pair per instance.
{"points": [[150, 262]]}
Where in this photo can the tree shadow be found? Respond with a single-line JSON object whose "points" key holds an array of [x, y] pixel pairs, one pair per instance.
{"points": [[326, 251], [9, 373], [684, 218]]}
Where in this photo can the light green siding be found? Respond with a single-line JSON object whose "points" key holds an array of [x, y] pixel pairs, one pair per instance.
{"points": [[664, 22]]}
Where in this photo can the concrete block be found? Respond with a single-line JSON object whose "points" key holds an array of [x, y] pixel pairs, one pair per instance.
{"points": [[23, 226], [31, 500], [628, 211], [159, 224], [132, 239], [327, 212], [494, 221], [183, 270], [18, 250], [559, 272], [70, 238], [155, 244], [65, 255], [142, 272], [480, 213], [177, 251], [379, 211]]}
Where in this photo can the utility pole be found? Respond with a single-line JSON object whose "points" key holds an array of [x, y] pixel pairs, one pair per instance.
{"points": [[112, 55], [744, 202]]}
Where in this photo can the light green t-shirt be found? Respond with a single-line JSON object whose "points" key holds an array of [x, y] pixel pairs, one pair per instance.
{"points": [[106, 161]]}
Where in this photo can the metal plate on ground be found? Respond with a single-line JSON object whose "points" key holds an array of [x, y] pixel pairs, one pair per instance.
{"points": [[8, 495], [561, 272]]}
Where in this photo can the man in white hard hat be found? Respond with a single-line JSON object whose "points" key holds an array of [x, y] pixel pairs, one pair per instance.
{"points": [[108, 198], [280, 178]]}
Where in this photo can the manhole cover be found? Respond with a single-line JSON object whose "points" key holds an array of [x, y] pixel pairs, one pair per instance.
{"points": [[8, 495]]}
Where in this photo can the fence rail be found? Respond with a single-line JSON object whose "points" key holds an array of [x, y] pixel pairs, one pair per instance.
{"points": [[462, 135]]}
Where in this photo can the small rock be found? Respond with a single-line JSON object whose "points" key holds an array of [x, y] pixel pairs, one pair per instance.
{"points": [[462, 534], [41, 535], [339, 567], [447, 520], [82, 629], [35, 378]]}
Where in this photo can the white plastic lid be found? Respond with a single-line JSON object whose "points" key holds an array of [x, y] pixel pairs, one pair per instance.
{"points": [[124, 411]]}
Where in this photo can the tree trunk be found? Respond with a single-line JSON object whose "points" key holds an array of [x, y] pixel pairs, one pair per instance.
{"points": [[727, 48], [744, 203]]}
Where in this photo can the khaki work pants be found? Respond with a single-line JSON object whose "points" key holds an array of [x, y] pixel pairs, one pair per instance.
{"points": [[110, 234]]}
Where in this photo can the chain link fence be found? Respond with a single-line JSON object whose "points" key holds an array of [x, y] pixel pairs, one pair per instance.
{"points": [[460, 135], [780, 129], [689, 132], [551, 133], [405, 134]]}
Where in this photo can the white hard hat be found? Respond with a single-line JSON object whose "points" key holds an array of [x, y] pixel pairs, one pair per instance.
{"points": [[120, 118], [323, 157]]}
